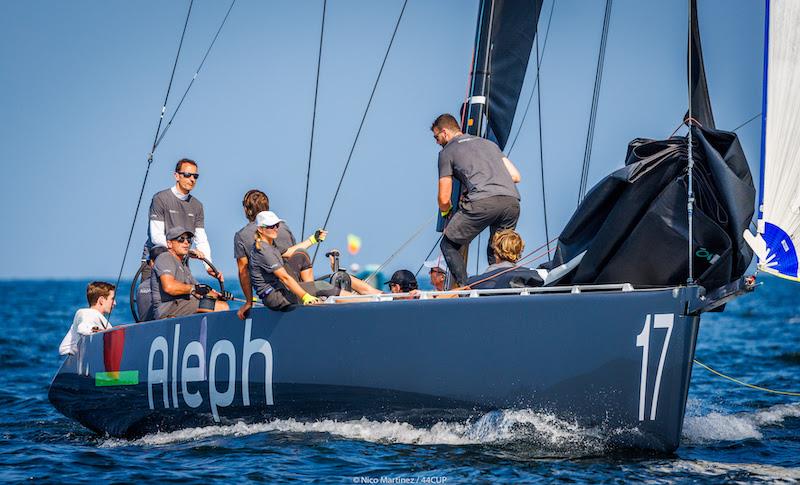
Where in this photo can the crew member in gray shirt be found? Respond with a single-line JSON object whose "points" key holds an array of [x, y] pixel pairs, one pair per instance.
{"points": [[276, 280], [178, 292], [174, 207], [489, 195], [256, 201]]}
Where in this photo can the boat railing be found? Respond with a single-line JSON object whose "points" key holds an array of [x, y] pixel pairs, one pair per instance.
{"points": [[474, 293]]}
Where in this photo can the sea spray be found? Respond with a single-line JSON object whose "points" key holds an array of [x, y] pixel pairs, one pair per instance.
{"points": [[541, 430]]}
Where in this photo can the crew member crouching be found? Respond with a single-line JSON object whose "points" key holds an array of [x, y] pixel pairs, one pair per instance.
{"points": [[505, 273], [275, 279], [174, 290]]}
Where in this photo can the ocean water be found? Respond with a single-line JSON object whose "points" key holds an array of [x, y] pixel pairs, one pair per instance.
{"points": [[731, 434]]}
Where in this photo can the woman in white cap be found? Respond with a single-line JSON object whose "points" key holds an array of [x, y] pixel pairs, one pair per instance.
{"points": [[280, 282]]}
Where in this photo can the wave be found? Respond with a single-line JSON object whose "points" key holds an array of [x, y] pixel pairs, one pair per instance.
{"points": [[543, 430], [717, 426]]}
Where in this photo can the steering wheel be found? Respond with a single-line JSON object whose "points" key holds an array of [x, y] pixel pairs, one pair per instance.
{"points": [[135, 286]]}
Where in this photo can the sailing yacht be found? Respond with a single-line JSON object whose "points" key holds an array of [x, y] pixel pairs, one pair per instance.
{"points": [[607, 342]]}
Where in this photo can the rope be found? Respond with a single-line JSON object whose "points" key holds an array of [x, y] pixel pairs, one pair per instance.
{"points": [[314, 116], [536, 82], [429, 255], [541, 147], [745, 384], [402, 246], [361, 125], [152, 150], [598, 79]]}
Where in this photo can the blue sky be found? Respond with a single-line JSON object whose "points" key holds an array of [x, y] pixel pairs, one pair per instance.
{"points": [[82, 82]]}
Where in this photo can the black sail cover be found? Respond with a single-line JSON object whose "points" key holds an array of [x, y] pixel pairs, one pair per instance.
{"points": [[513, 31], [633, 225]]}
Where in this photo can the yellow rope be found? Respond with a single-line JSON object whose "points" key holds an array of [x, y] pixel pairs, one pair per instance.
{"points": [[751, 386]]}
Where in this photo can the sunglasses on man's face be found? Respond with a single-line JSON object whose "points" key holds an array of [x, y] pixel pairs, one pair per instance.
{"points": [[187, 175], [183, 239], [274, 226]]}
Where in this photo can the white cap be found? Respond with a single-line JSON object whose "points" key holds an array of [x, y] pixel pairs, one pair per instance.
{"points": [[437, 263], [267, 218]]}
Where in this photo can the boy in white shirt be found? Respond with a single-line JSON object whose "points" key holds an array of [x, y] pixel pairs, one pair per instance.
{"points": [[100, 296]]}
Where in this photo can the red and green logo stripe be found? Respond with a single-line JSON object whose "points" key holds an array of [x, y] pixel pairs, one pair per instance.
{"points": [[116, 378]]}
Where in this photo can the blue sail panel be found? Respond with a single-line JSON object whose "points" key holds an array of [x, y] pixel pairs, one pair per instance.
{"points": [[781, 256]]}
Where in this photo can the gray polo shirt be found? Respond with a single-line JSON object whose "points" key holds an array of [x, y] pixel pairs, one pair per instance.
{"points": [[263, 264], [166, 263], [478, 164], [244, 239], [172, 211]]}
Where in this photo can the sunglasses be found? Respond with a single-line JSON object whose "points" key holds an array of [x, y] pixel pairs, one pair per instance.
{"points": [[189, 175], [183, 239], [274, 226]]}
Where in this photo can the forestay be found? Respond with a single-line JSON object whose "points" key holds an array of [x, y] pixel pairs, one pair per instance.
{"points": [[779, 209]]}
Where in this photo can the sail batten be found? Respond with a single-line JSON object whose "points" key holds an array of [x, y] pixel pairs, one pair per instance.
{"points": [[779, 222]]}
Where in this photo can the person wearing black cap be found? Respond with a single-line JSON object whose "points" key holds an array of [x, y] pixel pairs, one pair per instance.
{"points": [[178, 291], [404, 281]]}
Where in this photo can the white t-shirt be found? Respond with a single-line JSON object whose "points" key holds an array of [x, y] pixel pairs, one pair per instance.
{"points": [[85, 321]]}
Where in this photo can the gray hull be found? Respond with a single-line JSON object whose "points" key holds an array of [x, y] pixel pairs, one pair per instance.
{"points": [[616, 359]]}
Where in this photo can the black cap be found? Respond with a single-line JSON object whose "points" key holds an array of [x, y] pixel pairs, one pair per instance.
{"points": [[405, 279], [176, 232]]}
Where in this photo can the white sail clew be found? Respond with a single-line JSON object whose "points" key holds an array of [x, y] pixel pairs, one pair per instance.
{"points": [[778, 235]]}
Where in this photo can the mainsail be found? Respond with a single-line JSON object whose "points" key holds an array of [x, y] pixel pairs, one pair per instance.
{"points": [[779, 201]]}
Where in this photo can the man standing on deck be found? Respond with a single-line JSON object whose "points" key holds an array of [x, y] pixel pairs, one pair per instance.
{"points": [[175, 207], [489, 196]]}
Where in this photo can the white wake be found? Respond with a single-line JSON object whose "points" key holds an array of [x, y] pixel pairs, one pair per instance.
{"points": [[716, 426], [543, 430]]}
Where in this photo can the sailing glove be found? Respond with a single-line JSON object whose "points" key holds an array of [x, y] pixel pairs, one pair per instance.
{"points": [[202, 289], [309, 299], [447, 212], [318, 236], [225, 296]]}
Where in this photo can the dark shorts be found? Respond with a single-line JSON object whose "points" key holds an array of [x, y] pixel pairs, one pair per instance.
{"points": [[178, 308], [497, 212]]}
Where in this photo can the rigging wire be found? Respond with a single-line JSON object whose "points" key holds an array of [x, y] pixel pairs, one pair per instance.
{"points": [[598, 79], [196, 73], [536, 82], [541, 147], [690, 161], [361, 125], [400, 249], [429, 255], [314, 116], [747, 122], [155, 144]]}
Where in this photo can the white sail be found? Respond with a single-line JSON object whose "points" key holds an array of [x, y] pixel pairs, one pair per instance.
{"points": [[779, 211]]}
